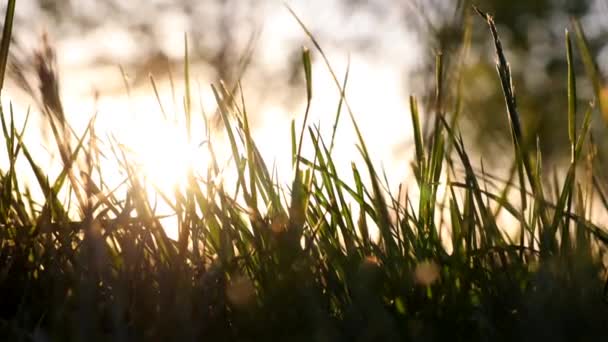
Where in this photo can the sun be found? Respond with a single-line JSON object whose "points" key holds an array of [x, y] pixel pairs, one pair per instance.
{"points": [[164, 155], [163, 158], [156, 146]]}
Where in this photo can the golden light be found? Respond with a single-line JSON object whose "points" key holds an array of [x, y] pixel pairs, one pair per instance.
{"points": [[162, 152], [155, 145]]}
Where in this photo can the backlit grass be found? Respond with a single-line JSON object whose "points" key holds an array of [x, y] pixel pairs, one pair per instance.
{"points": [[323, 259]]}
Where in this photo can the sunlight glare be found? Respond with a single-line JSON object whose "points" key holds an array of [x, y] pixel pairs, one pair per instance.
{"points": [[163, 152], [157, 146]]}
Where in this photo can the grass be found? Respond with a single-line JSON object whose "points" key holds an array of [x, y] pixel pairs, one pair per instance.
{"points": [[266, 263]]}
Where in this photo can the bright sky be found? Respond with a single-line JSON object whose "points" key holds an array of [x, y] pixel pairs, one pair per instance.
{"points": [[376, 92]]}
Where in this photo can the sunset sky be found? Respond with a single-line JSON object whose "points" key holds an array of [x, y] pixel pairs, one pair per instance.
{"points": [[88, 62]]}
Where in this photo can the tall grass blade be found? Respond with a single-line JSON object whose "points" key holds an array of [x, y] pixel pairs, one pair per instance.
{"points": [[6, 39]]}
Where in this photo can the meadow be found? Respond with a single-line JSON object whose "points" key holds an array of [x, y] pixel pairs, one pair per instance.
{"points": [[332, 256]]}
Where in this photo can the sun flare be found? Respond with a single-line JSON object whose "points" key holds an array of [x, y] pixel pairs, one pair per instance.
{"points": [[163, 158], [157, 146], [164, 154]]}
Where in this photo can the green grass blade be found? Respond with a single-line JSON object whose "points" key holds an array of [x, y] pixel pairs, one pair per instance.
{"points": [[6, 39]]}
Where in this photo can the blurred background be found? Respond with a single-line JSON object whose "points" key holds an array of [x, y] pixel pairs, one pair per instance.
{"points": [[106, 51]]}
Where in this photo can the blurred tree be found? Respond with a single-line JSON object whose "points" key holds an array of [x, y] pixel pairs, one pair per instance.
{"points": [[221, 32], [532, 34]]}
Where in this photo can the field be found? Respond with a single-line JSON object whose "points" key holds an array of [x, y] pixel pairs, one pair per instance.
{"points": [[324, 259]]}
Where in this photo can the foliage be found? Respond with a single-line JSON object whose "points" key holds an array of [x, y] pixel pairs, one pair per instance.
{"points": [[530, 30]]}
